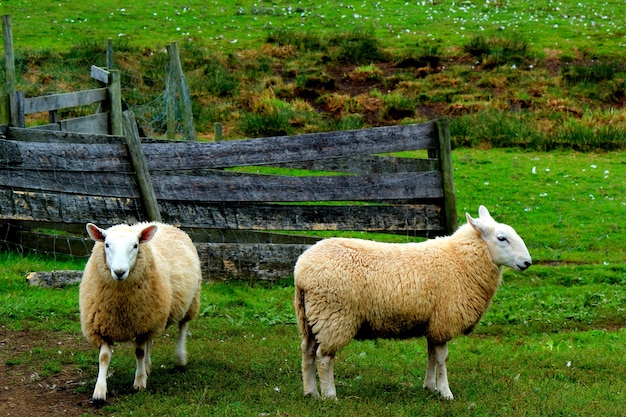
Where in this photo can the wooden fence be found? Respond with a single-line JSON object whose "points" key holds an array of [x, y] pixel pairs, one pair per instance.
{"points": [[236, 198]]}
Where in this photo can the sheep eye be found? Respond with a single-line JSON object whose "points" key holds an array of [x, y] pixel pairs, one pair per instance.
{"points": [[106, 245], [136, 246], [503, 239]]}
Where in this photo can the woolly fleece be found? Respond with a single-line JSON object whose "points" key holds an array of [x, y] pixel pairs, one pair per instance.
{"points": [[162, 288]]}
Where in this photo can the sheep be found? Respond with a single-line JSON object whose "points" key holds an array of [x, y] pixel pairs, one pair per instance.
{"points": [[358, 289], [138, 280]]}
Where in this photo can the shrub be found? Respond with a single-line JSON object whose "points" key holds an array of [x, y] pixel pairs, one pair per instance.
{"points": [[257, 125], [357, 47], [495, 52], [594, 73], [218, 80]]}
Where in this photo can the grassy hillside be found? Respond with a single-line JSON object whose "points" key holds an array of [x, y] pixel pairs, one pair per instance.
{"points": [[537, 75]]}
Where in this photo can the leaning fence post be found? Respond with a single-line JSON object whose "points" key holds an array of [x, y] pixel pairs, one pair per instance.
{"points": [[141, 167], [447, 174], [115, 97], [170, 97], [178, 80], [9, 61]]}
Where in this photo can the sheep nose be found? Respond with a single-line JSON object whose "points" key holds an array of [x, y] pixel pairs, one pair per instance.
{"points": [[119, 273], [526, 265]]}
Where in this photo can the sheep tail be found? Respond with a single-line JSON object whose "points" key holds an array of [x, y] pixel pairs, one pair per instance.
{"points": [[298, 303]]}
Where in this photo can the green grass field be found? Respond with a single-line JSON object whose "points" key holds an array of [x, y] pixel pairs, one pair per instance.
{"points": [[552, 343], [569, 26]]}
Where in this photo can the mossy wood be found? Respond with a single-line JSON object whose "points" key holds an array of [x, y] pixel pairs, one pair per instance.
{"points": [[237, 198]]}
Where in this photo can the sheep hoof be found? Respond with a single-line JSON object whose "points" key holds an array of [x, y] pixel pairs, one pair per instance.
{"points": [[447, 396], [430, 388], [139, 385], [98, 402], [313, 394]]}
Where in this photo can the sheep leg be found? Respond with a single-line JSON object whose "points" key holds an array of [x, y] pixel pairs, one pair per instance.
{"points": [[148, 359], [436, 371], [308, 347], [180, 354], [104, 359], [430, 381], [141, 375], [325, 371]]}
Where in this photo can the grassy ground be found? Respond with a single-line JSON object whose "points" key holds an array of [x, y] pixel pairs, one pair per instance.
{"points": [[551, 343]]}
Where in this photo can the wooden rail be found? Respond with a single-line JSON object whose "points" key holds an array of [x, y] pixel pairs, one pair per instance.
{"points": [[237, 198]]}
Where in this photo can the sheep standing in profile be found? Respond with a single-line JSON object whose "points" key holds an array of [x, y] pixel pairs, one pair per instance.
{"points": [[357, 289], [138, 280]]}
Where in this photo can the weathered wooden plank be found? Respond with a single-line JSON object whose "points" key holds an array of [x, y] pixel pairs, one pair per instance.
{"points": [[91, 124], [168, 156], [104, 184], [114, 157], [366, 164], [144, 179], [219, 261], [74, 231], [419, 220], [226, 187], [273, 150], [44, 156], [64, 208], [64, 100], [50, 126], [30, 135], [97, 123], [100, 74], [222, 261], [202, 235], [411, 219]]}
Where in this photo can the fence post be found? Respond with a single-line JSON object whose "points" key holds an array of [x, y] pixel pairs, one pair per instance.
{"points": [[170, 97], [217, 132], [178, 80], [447, 174], [115, 96], [141, 167], [109, 54], [9, 58]]}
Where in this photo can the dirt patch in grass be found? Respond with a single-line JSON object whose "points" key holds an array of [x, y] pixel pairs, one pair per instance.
{"points": [[24, 392]]}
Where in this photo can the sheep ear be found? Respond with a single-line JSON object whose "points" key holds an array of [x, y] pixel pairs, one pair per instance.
{"points": [[479, 225], [147, 234], [483, 213], [95, 232]]}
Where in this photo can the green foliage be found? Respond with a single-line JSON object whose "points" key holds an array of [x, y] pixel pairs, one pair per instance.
{"points": [[273, 123], [357, 47], [426, 55], [593, 73], [218, 79], [494, 52], [304, 41]]}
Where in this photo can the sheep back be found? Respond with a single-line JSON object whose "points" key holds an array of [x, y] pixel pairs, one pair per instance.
{"points": [[353, 288], [163, 287]]}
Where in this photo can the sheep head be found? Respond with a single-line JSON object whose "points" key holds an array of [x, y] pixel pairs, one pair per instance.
{"points": [[505, 246], [121, 245]]}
